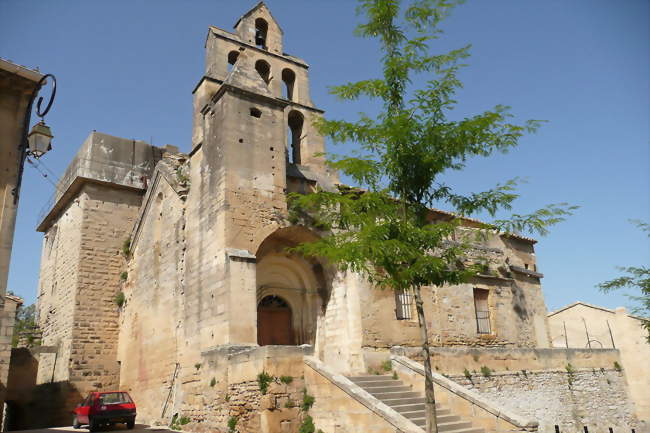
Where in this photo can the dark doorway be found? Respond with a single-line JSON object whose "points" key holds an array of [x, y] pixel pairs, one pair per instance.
{"points": [[274, 322]]}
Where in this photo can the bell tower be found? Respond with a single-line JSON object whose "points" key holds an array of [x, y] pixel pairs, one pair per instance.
{"points": [[253, 143]]}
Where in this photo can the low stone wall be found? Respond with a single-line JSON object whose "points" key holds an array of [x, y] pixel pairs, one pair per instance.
{"points": [[454, 360], [594, 398]]}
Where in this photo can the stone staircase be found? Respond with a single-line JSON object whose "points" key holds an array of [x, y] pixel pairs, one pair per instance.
{"points": [[410, 404]]}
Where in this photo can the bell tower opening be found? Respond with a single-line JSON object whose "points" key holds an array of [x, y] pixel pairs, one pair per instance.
{"points": [[264, 69], [295, 123], [288, 78], [261, 29]]}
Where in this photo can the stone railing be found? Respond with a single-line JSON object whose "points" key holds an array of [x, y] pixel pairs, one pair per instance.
{"points": [[468, 404], [340, 403]]}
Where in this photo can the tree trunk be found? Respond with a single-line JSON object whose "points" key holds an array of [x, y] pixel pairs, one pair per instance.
{"points": [[430, 399]]}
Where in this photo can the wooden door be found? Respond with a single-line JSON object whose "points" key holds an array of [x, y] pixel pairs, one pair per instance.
{"points": [[274, 322]]}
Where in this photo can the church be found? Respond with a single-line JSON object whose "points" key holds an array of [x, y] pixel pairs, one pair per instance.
{"points": [[166, 274]]}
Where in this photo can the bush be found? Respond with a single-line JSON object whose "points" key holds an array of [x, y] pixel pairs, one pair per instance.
{"points": [[617, 366], [263, 380], [124, 275], [119, 299], [197, 365], [286, 379], [307, 425], [307, 400], [467, 374], [232, 424], [486, 371], [126, 247], [387, 365], [213, 382]]}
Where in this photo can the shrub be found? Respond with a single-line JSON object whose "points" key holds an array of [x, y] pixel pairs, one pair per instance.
{"points": [[213, 382], [467, 374], [570, 369], [485, 370], [119, 299], [307, 425], [395, 376], [232, 424], [387, 365], [263, 380], [307, 400], [617, 366], [124, 275], [227, 397], [286, 379], [126, 247], [197, 365]]}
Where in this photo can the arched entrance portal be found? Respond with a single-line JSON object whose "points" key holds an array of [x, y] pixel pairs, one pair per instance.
{"points": [[274, 322]]}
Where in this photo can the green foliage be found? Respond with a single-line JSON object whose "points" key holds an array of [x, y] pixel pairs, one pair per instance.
{"points": [[387, 365], [525, 373], [213, 382], [126, 247], [263, 380], [286, 379], [307, 425], [395, 376], [227, 397], [486, 371], [124, 275], [570, 369], [307, 401], [467, 374], [290, 403], [119, 299], [197, 365], [232, 424], [177, 422], [25, 326], [617, 366], [636, 278]]}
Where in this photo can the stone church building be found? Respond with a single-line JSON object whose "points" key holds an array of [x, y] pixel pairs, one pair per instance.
{"points": [[166, 274]]}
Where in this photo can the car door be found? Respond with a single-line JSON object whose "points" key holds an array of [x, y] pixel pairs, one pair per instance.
{"points": [[84, 410]]}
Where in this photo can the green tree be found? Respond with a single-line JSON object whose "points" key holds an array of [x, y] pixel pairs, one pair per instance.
{"points": [[382, 228], [635, 278], [24, 325]]}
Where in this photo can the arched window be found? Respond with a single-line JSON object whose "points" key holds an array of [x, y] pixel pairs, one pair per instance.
{"points": [[261, 28], [295, 123], [264, 69], [232, 58], [288, 78]]}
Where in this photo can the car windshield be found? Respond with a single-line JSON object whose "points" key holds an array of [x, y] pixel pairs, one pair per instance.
{"points": [[114, 398]]}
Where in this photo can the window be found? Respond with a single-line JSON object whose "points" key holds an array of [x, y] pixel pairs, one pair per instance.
{"points": [[482, 311], [261, 29], [288, 78], [404, 305], [264, 69], [296, 121], [256, 112], [232, 58]]}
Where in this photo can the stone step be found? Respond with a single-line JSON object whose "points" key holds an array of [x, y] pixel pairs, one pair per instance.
{"points": [[402, 401], [453, 426], [393, 395], [373, 383], [373, 378], [413, 415], [382, 389]]}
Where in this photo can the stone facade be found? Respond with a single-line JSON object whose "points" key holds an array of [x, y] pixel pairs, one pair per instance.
{"points": [[583, 325], [17, 85], [210, 297]]}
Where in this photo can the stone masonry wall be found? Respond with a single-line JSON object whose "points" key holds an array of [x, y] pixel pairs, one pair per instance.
{"points": [[596, 398], [57, 292], [108, 217]]}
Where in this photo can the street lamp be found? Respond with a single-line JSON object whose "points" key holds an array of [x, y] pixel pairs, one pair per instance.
{"points": [[40, 139]]}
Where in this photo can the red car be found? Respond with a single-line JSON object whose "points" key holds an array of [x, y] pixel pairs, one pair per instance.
{"points": [[105, 408]]}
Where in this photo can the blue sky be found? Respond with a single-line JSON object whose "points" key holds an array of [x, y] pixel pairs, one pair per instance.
{"points": [[127, 68]]}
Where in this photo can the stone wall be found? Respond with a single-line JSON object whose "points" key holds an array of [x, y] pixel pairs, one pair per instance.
{"points": [[594, 398]]}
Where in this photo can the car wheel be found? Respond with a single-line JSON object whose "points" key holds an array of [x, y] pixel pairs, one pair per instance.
{"points": [[93, 426], [75, 423], [130, 424]]}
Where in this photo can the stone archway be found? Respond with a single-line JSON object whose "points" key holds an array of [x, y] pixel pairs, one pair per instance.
{"points": [[274, 322], [289, 289]]}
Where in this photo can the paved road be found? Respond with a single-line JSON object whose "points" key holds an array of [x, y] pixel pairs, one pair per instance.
{"points": [[139, 428]]}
